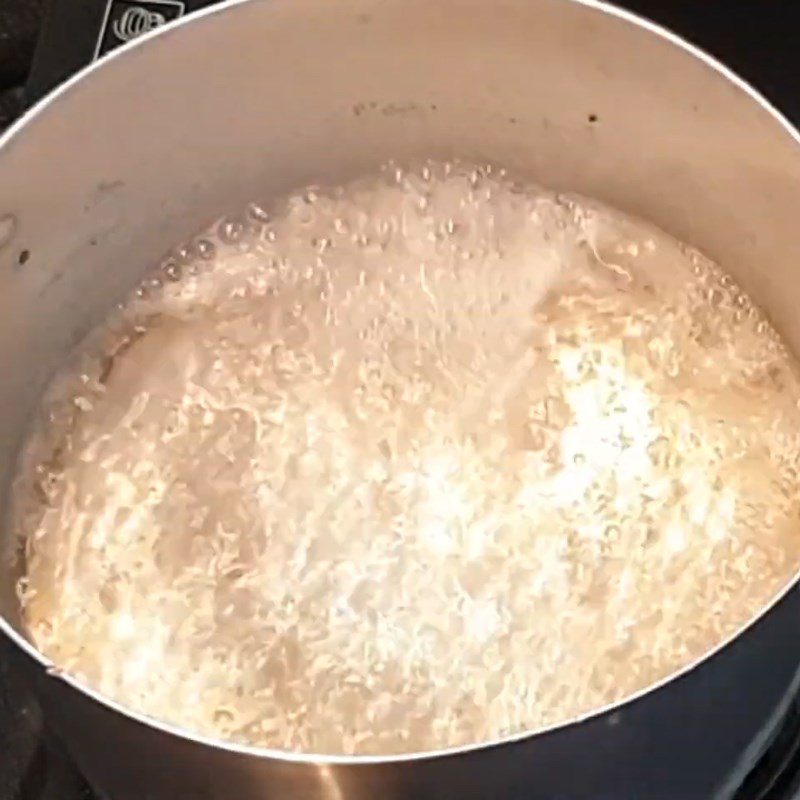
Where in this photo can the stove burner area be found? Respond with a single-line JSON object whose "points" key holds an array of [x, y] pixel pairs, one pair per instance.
{"points": [[755, 39], [33, 765]]}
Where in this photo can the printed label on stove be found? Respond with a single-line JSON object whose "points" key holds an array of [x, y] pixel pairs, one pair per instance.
{"points": [[126, 20]]}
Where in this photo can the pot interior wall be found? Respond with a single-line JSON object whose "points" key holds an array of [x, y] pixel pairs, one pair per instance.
{"points": [[261, 97]]}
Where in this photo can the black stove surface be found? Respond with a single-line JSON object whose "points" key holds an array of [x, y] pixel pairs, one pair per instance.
{"points": [[42, 42]]}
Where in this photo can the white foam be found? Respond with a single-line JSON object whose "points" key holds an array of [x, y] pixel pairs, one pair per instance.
{"points": [[416, 462]]}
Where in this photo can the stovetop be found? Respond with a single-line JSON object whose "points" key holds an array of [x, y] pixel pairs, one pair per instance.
{"points": [[42, 42]]}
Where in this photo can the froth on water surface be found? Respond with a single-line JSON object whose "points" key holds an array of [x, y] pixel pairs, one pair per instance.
{"points": [[420, 461]]}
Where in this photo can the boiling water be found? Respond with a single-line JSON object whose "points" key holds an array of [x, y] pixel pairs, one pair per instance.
{"points": [[425, 460]]}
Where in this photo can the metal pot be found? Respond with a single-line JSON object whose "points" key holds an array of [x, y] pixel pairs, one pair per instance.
{"points": [[259, 97]]}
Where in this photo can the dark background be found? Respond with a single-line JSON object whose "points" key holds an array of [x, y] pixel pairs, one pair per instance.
{"points": [[19, 26]]}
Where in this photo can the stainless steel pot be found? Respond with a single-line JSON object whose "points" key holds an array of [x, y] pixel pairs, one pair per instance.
{"points": [[258, 97]]}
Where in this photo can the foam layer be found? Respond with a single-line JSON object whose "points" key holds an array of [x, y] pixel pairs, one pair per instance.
{"points": [[421, 461]]}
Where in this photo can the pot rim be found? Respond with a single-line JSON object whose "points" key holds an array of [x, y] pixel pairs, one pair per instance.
{"points": [[324, 761]]}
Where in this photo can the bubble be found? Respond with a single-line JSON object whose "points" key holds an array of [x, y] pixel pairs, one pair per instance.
{"points": [[206, 249], [230, 231], [171, 270], [257, 213]]}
